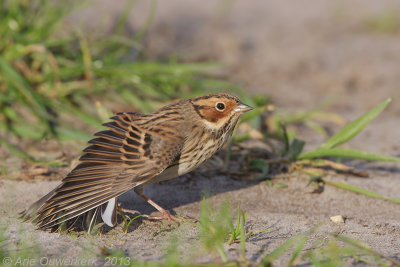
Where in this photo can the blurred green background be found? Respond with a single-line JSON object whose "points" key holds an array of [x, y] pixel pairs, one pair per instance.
{"points": [[65, 67], [57, 78]]}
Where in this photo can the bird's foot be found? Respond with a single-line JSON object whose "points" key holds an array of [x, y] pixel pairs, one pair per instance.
{"points": [[166, 215]]}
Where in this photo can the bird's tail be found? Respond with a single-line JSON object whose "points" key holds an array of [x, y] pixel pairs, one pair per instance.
{"points": [[108, 212], [31, 213]]}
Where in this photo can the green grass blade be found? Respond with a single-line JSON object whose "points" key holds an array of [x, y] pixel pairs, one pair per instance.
{"points": [[346, 153], [285, 139], [132, 220], [361, 191], [243, 236], [316, 262], [81, 115], [65, 134], [123, 18], [281, 249], [367, 250], [298, 250], [23, 87], [354, 127], [232, 237], [295, 149]]}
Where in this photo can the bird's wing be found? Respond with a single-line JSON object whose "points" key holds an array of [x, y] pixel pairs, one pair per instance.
{"points": [[128, 154]]}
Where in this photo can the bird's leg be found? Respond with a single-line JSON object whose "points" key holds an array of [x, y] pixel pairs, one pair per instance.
{"points": [[166, 214]]}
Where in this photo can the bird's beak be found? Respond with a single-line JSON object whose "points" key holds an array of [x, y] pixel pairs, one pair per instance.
{"points": [[243, 108]]}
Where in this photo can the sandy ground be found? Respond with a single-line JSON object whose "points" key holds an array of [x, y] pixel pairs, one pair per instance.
{"points": [[300, 53]]}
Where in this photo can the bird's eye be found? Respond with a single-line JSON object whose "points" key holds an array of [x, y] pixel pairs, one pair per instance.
{"points": [[220, 106]]}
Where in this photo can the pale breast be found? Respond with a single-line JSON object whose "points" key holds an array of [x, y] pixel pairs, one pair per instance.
{"points": [[193, 154]]}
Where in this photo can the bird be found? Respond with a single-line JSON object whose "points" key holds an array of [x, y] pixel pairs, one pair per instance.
{"points": [[137, 150]]}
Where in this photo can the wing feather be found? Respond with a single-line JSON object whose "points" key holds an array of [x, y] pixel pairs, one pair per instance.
{"points": [[126, 155]]}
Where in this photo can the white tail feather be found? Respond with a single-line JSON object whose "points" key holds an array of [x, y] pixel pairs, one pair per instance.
{"points": [[108, 214]]}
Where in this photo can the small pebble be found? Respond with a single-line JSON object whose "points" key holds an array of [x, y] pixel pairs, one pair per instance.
{"points": [[337, 219]]}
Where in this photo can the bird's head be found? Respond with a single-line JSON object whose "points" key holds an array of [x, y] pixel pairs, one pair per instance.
{"points": [[219, 110]]}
